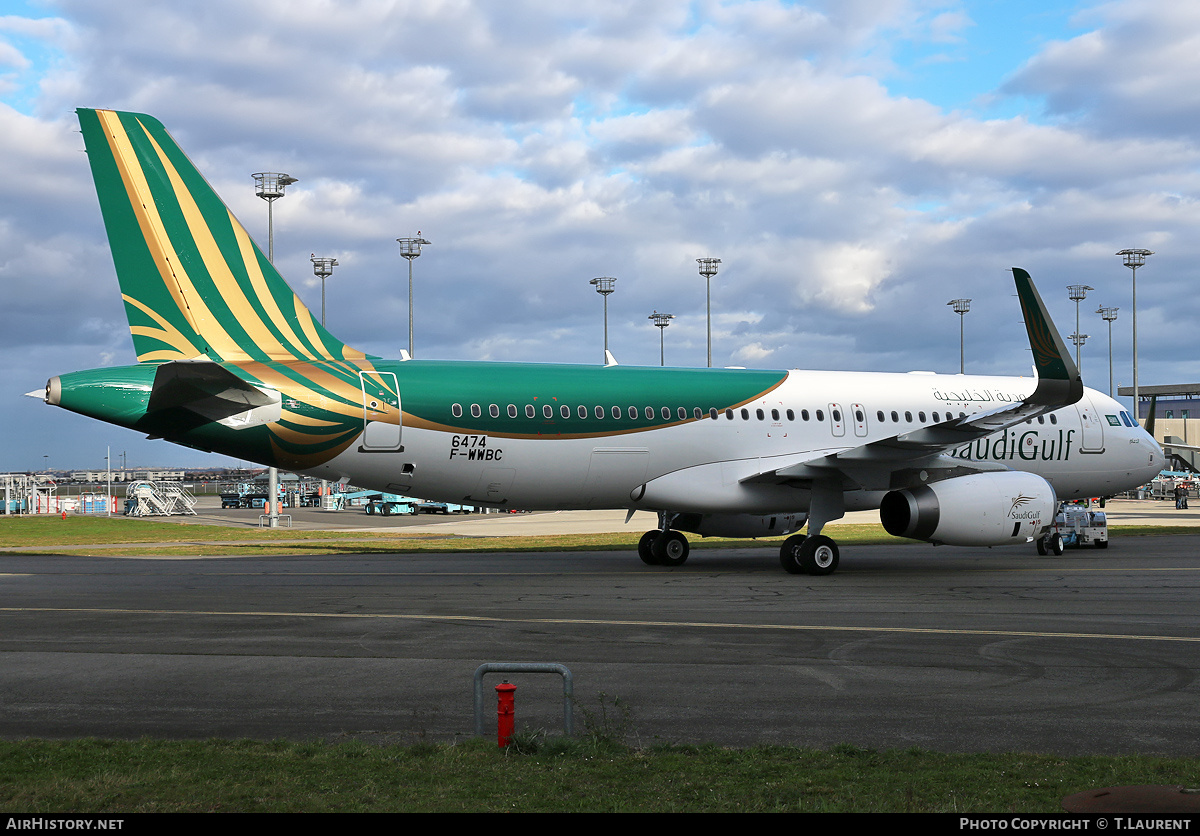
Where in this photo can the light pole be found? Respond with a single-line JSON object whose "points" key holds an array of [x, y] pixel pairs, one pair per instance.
{"points": [[1109, 314], [269, 185], [604, 286], [1079, 340], [410, 249], [961, 307], [1133, 259], [661, 321], [323, 267], [708, 269], [1077, 293]]}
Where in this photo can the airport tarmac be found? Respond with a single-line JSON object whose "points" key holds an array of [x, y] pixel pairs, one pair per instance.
{"points": [[950, 649], [209, 512]]}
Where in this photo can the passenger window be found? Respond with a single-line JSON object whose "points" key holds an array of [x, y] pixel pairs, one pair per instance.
{"points": [[633, 413], [758, 413], [666, 413], [682, 413], [494, 411], [712, 412], [547, 410], [564, 411], [921, 417], [745, 414], [649, 413], [729, 414], [581, 411], [512, 410], [791, 416], [456, 410], [836, 415], [804, 415], [598, 412], [774, 414], [820, 415], [530, 412], [616, 412], [879, 416], [908, 417], [475, 410], [1053, 418], [858, 415], [895, 417]]}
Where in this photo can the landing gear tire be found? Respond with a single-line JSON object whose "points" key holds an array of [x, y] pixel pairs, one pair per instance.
{"points": [[670, 548], [646, 546], [819, 555], [1041, 546], [789, 554]]}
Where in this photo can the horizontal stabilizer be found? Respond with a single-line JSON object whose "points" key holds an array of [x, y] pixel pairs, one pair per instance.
{"points": [[212, 392]]}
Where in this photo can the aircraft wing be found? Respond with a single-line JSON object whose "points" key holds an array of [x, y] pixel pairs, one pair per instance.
{"points": [[920, 456]]}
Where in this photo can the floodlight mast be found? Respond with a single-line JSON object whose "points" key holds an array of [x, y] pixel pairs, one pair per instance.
{"points": [[410, 249], [1133, 259], [270, 185], [661, 321], [1077, 293], [323, 267], [1109, 314], [961, 307], [604, 286], [708, 269], [1079, 340]]}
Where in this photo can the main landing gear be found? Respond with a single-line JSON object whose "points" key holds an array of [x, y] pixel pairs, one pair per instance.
{"points": [[814, 555], [663, 548]]}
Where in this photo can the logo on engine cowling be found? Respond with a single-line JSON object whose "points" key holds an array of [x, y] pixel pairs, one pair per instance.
{"points": [[1018, 502]]}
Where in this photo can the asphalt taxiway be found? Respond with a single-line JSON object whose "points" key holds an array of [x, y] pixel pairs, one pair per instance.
{"points": [[906, 645]]}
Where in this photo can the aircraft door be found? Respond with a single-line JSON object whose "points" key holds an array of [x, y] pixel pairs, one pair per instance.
{"points": [[1093, 426], [837, 420], [381, 412]]}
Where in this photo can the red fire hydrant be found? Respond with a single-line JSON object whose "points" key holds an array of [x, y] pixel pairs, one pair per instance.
{"points": [[506, 714]]}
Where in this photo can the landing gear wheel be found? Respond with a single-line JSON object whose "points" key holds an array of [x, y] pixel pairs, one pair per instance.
{"points": [[819, 555], [1056, 544], [645, 547], [670, 548], [789, 554], [1041, 546]]}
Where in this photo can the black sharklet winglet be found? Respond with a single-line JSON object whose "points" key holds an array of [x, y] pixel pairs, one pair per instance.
{"points": [[1059, 381]]}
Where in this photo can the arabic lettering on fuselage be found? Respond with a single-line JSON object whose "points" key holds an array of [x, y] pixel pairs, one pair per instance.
{"points": [[977, 396]]}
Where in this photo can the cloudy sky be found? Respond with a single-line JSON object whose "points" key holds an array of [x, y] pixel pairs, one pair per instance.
{"points": [[855, 164]]}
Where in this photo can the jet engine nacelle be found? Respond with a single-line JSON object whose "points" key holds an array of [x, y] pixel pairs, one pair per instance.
{"points": [[985, 509], [739, 525]]}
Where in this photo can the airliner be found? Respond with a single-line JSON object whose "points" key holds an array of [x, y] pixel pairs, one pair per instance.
{"points": [[231, 361]]}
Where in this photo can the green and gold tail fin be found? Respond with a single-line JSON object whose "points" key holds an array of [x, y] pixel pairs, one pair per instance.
{"points": [[194, 284]]}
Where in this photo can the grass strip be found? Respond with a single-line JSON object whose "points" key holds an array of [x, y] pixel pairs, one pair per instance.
{"points": [[551, 775]]}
